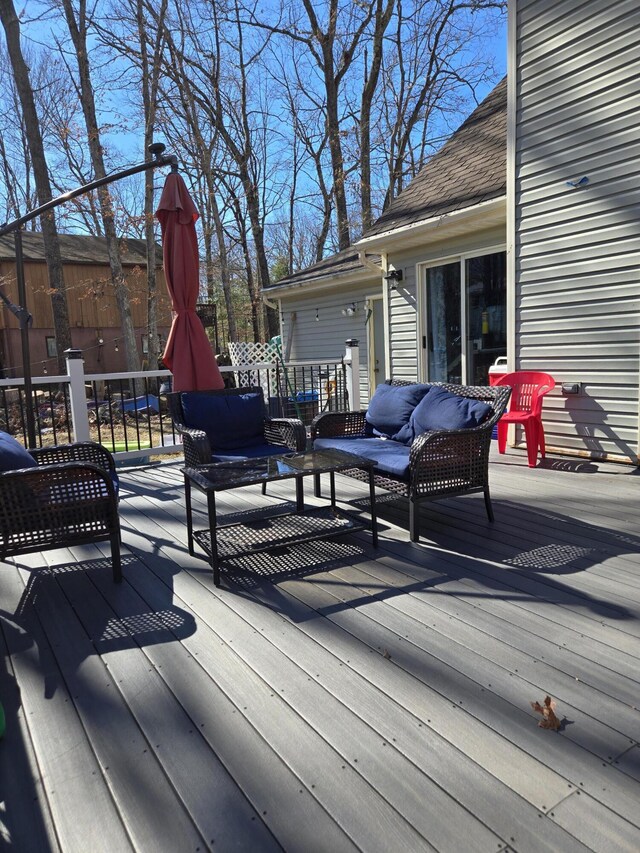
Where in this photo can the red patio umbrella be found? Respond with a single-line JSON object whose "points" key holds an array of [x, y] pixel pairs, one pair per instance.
{"points": [[188, 353]]}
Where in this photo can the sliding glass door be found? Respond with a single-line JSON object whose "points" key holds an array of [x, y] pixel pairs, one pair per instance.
{"points": [[465, 318], [486, 290], [444, 341]]}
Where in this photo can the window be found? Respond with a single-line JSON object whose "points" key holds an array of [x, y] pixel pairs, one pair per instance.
{"points": [[52, 349]]}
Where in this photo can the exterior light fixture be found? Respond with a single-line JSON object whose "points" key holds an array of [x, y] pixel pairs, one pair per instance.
{"points": [[393, 277], [349, 310], [317, 316]]}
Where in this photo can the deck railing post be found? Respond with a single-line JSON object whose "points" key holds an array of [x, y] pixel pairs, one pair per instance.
{"points": [[77, 395], [352, 363]]}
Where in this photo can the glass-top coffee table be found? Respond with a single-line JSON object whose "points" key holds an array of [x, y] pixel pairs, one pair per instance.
{"points": [[224, 541]]}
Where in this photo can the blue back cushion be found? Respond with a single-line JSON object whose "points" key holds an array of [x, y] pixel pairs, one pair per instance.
{"points": [[442, 410], [230, 421], [13, 455], [391, 407]]}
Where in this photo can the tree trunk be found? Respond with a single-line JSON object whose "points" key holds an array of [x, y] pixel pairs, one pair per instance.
{"points": [[43, 185], [150, 80], [78, 32], [382, 18]]}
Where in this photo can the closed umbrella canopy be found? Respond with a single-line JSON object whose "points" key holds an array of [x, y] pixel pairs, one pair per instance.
{"points": [[188, 353]]}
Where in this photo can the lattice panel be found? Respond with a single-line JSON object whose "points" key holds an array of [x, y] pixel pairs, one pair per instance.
{"points": [[253, 353]]}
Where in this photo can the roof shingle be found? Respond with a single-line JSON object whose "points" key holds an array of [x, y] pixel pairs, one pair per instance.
{"points": [[470, 168], [77, 249]]}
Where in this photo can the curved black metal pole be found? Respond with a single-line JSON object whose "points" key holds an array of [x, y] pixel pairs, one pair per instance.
{"points": [[160, 159], [21, 312]]}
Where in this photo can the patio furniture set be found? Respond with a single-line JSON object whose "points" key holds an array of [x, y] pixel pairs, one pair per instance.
{"points": [[421, 441]]}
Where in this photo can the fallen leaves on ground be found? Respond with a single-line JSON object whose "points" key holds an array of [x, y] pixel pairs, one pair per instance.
{"points": [[549, 719]]}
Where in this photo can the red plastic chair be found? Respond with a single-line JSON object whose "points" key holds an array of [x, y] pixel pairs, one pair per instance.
{"points": [[526, 408]]}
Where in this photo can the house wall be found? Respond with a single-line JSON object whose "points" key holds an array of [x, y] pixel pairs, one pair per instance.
{"points": [[92, 309], [404, 304], [324, 339], [575, 113]]}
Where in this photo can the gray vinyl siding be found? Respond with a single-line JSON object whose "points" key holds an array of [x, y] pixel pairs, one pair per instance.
{"points": [[577, 250], [403, 325], [324, 339]]}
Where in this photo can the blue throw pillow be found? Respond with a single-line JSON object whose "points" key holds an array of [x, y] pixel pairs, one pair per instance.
{"points": [[443, 410], [13, 455], [391, 407], [231, 421]]}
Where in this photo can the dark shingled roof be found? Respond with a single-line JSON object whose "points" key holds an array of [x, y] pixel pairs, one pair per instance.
{"points": [[346, 261], [77, 249], [469, 169]]}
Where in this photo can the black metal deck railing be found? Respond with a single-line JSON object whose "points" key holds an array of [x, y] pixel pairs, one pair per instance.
{"points": [[127, 412]]}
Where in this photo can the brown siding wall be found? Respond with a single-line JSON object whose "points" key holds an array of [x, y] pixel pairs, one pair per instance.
{"points": [[93, 313]]}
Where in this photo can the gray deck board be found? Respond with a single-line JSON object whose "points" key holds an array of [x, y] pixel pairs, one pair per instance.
{"points": [[152, 816], [174, 737], [68, 766], [27, 823], [332, 696]]}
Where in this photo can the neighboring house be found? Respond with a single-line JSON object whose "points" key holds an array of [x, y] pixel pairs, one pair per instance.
{"points": [[333, 301], [93, 316]]}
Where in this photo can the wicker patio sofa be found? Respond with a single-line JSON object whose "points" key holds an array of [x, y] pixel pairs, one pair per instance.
{"points": [[57, 496], [232, 423], [413, 462]]}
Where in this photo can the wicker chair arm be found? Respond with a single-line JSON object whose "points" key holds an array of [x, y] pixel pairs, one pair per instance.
{"points": [[338, 425], [288, 432], [82, 451], [439, 458], [196, 446]]}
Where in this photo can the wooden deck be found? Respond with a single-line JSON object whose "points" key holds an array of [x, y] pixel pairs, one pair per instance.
{"points": [[332, 697]]}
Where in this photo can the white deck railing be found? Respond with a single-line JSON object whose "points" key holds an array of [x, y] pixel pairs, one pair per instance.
{"points": [[127, 413]]}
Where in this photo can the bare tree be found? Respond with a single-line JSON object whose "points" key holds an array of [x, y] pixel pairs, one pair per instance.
{"points": [[131, 32], [78, 24], [383, 10], [11, 27], [332, 45]]}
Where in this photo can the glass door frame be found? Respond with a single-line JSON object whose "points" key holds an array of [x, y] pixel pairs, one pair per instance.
{"points": [[423, 307]]}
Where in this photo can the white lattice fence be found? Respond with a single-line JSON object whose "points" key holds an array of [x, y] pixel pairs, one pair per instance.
{"points": [[253, 353]]}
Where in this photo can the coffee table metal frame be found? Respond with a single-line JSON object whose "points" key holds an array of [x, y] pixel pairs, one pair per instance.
{"points": [[221, 476]]}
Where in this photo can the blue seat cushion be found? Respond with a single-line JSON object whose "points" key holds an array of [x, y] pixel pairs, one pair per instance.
{"points": [[231, 421], [13, 455], [252, 452], [391, 406], [391, 456], [441, 409]]}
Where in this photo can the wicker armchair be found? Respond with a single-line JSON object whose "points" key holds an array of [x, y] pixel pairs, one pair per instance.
{"points": [[442, 463], [69, 498], [278, 434]]}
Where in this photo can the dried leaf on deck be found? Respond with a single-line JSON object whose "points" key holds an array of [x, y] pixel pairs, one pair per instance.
{"points": [[549, 719]]}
